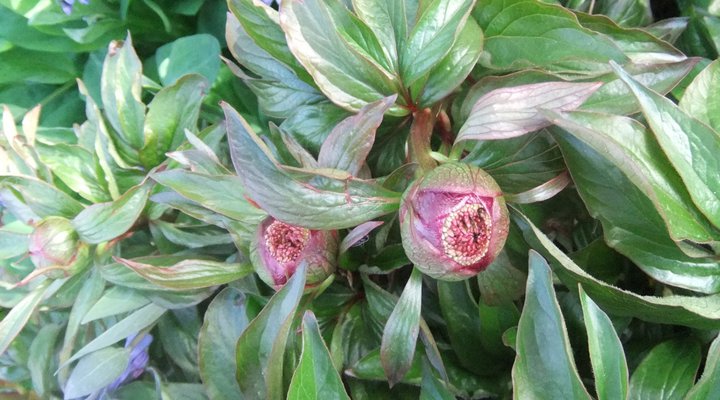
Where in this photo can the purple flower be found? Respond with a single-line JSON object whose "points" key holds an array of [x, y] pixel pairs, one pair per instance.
{"points": [[138, 360], [453, 221], [278, 249], [67, 5]]}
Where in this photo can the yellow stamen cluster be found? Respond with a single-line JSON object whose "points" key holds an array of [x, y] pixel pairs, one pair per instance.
{"points": [[466, 234]]}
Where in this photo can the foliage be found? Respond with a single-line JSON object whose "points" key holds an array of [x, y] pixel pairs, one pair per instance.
{"points": [[198, 203]]}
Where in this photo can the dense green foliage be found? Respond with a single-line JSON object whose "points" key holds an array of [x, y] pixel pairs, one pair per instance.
{"points": [[366, 199]]}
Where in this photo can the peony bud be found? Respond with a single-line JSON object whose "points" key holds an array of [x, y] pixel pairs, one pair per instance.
{"points": [[54, 243], [278, 249], [453, 221]]}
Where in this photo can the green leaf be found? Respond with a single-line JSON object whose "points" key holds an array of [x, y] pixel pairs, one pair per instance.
{"points": [[431, 37], [544, 366], [349, 143], [260, 24], [16, 319], [431, 387], [631, 224], [460, 312], [173, 110], [501, 282], [389, 20], [279, 90], [691, 146], [222, 194], [41, 358], [606, 352], [121, 87], [457, 64], [520, 163], [21, 65], [345, 75], [633, 150], [639, 46], [43, 199], [90, 292], [196, 54], [614, 97], [225, 320], [349, 203], [77, 168], [12, 244], [130, 325], [116, 300], [693, 311], [96, 370], [527, 33], [119, 274], [667, 372], [190, 274], [315, 376], [311, 124], [401, 331], [510, 112], [195, 238], [700, 101], [260, 347], [106, 221], [709, 382]]}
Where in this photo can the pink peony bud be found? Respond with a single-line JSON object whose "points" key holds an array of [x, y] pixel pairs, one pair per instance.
{"points": [[453, 221], [54, 244], [278, 249]]}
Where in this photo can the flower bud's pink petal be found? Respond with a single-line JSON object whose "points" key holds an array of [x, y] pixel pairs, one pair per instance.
{"points": [[454, 221], [278, 249]]}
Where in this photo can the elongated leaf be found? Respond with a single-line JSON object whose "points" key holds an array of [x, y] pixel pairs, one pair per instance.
{"points": [[452, 70], [667, 372], [544, 370], [461, 315], [258, 364], [121, 87], [631, 224], [97, 370], [130, 325], [432, 37], [357, 234], [709, 382], [279, 90], [173, 110], [511, 112], [527, 33], [77, 168], [43, 199], [195, 54], [700, 101], [18, 316], [349, 143], [106, 221], [87, 296], [205, 236], [41, 358], [389, 20], [12, 244], [698, 312], [345, 76], [190, 274], [114, 301], [262, 25], [315, 376], [222, 194], [401, 331], [633, 150], [431, 387], [225, 320], [287, 199], [606, 352], [691, 146], [639, 46]]}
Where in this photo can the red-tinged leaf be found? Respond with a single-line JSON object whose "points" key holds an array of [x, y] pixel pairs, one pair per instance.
{"points": [[190, 274]]}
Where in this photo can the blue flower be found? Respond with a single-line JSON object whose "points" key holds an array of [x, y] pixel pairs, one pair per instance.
{"points": [[138, 360], [67, 5]]}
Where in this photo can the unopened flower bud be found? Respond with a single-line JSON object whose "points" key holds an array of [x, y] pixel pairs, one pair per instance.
{"points": [[54, 243], [278, 249], [453, 221]]}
